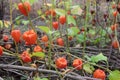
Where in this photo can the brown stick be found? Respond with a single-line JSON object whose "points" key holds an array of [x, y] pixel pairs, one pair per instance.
{"points": [[78, 77]]}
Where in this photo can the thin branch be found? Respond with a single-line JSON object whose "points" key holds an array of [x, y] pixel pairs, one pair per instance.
{"points": [[78, 77]]}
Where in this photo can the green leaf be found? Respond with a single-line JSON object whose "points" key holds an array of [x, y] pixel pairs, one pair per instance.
{"points": [[76, 10], [70, 32], [15, 5], [18, 17], [68, 4], [44, 79], [73, 31], [22, 78], [88, 68], [38, 78], [6, 24], [17, 22], [70, 20], [39, 54], [60, 11], [44, 29], [97, 40], [88, 58], [92, 32], [55, 34], [32, 1], [109, 30], [103, 32], [1, 24], [99, 57], [39, 12], [25, 22], [80, 38], [114, 75]]}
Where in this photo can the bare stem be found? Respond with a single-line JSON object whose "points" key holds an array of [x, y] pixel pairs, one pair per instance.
{"points": [[85, 26], [12, 27]]}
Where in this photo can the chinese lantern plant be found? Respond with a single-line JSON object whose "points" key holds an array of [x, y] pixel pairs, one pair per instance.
{"points": [[60, 42], [100, 74], [61, 63], [24, 8], [37, 49], [115, 44], [5, 38], [114, 27], [30, 37], [44, 38], [25, 56], [62, 19], [16, 34], [58, 19], [77, 63], [1, 50], [55, 25]]}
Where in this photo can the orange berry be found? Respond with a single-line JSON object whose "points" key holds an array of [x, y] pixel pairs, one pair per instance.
{"points": [[24, 8], [7, 46], [5, 38], [60, 42], [74, 17], [25, 56], [52, 12], [16, 34], [30, 37], [37, 49], [61, 63], [100, 74], [47, 13], [77, 63], [1, 50], [113, 6], [68, 12], [62, 19], [113, 27], [55, 25], [70, 38], [115, 44], [44, 38], [115, 13]]}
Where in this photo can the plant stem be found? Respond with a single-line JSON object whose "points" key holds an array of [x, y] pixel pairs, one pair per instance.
{"points": [[11, 21], [67, 40], [8, 51], [50, 38], [12, 27], [17, 54], [85, 26], [50, 41]]}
